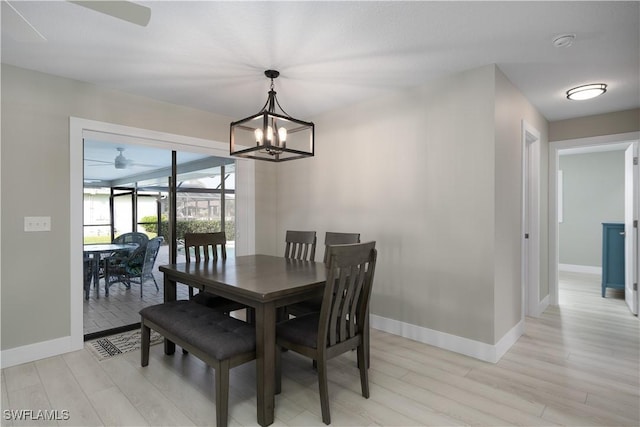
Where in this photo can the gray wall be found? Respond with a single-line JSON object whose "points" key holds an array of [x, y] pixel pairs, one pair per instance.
{"points": [[593, 193], [433, 174], [35, 182], [599, 125], [511, 107]]}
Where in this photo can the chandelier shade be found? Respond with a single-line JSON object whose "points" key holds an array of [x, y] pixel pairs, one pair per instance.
{"points": [[270, 134]]}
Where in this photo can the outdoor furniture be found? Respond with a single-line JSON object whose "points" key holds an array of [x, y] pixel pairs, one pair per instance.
{"points": [[137, 238], [341, 323], [205, 247], [87, 274], [300, 245], [136, 267], [314, 304], [222, 342], [259, 281], [140, 239], [95, 252]]}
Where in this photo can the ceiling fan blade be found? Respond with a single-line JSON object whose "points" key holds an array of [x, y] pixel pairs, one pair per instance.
{"points": [[143, 165], [98, 161], [18, 27], [125, 10]]}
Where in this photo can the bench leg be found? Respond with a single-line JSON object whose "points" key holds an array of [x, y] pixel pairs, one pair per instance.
{"points": [[145, 344], [222, 393]]}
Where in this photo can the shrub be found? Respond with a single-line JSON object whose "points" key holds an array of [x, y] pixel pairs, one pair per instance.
{"points": [[188, 226]]}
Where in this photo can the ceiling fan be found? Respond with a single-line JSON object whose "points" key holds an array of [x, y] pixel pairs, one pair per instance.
{"points": [[120, 162], [21, 29]]}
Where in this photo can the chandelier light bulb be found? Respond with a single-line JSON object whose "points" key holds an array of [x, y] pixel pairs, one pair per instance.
{"points": [[282, 134], [269, 134], [258, 135]]}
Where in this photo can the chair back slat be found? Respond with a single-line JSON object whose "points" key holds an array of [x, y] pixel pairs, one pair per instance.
{"points": [[347, 292], [359, 275], [300, 245], [205, 246], [332, 238]]}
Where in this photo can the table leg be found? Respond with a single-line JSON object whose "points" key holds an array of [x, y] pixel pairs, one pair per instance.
{"points": [[265, 317], [96, 273], [169, 295]]}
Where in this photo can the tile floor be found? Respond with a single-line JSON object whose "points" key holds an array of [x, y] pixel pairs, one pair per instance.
{"points": [[122, 305]]}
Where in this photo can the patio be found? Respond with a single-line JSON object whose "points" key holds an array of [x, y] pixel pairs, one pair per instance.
{"points": [[121, 307]]}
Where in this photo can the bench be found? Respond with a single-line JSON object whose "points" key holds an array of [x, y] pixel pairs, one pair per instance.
{"points": [[222, 342]]}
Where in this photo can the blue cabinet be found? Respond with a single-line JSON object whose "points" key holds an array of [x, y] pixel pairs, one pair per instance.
{"points": [[612, 256]]}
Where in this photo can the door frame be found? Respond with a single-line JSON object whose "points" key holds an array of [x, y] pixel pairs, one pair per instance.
{"points": [[554, 148], [530, 235], [78, 127], [630, 229]]}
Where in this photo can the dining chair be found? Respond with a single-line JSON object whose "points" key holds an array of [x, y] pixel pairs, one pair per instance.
{"points": [[205, 247], [136, 267], [330, 238], [300, 245], [341, 323]]}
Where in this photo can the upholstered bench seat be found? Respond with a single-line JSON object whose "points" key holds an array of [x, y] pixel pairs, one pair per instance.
{"points": [[219, 340]]}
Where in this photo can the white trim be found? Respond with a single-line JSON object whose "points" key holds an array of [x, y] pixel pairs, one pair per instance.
{"points": [[542, 306], [530, 247], [554, 149], [29, 353], [575, 268], [468, 347], [560, 196]]}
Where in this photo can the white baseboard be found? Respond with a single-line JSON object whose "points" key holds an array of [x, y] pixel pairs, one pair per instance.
{"points": [[29, 353], [573, 268], [540, 308], [476, 349]]}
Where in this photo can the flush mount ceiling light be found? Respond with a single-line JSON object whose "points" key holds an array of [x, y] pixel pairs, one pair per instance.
{"points": [[271, 135], [589, 91], [564, 40]]}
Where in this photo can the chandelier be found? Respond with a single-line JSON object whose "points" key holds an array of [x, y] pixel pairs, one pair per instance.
{"points": [[271, 135]]}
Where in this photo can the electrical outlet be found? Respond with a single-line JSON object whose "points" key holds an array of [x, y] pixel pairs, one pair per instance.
{"points": [[37, 223]]}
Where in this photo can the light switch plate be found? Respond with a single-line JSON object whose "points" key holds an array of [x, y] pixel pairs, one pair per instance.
{"points": [[37, 223]]}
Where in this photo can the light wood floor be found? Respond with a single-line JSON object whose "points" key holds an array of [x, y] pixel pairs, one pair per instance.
{"points": [[576, 365]]}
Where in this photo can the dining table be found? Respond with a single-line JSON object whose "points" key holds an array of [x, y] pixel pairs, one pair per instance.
{"points": [[262, 282], [95, 251]]}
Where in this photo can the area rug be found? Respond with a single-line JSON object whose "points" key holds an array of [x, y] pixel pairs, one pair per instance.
{"points": [[104, 348]]}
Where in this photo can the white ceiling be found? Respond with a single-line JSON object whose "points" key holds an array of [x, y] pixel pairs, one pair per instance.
{"points": [[211, 55]]}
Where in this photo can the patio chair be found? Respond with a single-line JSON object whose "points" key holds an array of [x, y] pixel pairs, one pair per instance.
{"points": [[139, 239], [136, 267]]}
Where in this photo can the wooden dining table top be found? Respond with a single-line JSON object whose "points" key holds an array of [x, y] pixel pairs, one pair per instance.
{"points": [[262, 278]]}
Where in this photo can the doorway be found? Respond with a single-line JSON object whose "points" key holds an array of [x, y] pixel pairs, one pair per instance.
{"points": [[129, 196], [81, 128], [584, 145]]}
